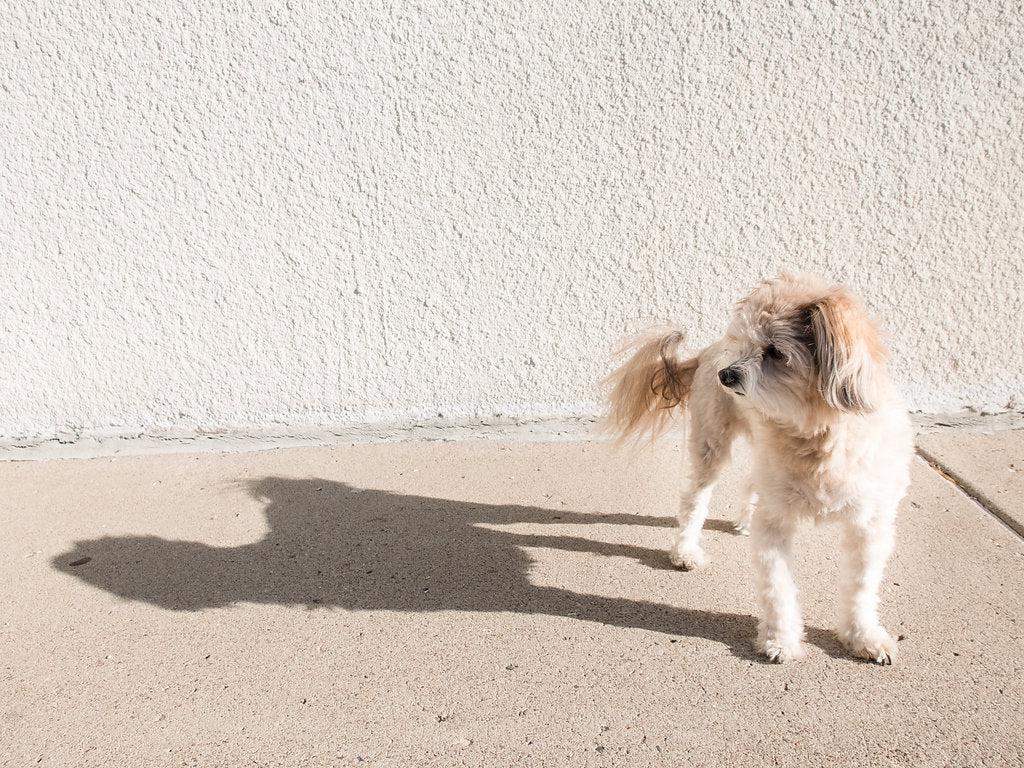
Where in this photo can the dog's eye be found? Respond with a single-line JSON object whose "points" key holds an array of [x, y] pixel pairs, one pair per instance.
{"points": [[773, 352]]}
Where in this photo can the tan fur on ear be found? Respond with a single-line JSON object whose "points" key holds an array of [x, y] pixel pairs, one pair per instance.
{"points": [[649, 386], [848, 352]]}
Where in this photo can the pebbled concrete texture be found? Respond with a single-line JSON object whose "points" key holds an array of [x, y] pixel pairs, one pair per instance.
{"points": [[226, 218], [472, 603]]}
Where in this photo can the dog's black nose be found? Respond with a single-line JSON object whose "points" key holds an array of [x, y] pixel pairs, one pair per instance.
{"points": [[729, 377]]}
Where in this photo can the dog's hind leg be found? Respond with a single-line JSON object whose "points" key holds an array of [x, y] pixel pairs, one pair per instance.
{"points": [[706, 453], [743, 522], [866, 548]]}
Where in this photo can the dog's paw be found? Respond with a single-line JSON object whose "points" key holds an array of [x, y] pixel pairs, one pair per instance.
{"points": [[742, 524], [874, 644], [687, 555], [781, 651]]}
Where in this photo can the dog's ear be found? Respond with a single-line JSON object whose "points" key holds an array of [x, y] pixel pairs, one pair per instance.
{"points": [[848, 352]]}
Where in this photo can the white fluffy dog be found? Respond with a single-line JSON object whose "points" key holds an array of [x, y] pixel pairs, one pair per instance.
{"points": [[801, 373]]}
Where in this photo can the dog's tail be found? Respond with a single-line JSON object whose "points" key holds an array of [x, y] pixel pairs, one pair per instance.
{"points": [[647, 389]]}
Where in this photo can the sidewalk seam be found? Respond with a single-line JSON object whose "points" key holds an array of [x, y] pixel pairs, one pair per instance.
{"points": [[972, 492]]}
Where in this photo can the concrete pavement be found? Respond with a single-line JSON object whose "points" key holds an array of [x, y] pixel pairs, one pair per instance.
{"points": [[988, 466], [481, 603]]}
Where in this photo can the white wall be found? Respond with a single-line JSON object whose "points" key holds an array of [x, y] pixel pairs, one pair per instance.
{"points": [[219, 215]]}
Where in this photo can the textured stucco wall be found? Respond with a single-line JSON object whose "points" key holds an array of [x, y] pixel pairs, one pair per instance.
{"points": [[220, 215]]}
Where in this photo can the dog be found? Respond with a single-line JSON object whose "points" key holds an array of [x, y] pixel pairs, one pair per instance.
{"points": [[801, 373]]}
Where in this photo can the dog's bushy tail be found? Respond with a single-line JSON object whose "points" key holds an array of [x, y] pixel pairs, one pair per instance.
{"points": [[645, 391]]}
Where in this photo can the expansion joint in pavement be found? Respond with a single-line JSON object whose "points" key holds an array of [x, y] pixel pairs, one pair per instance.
{"points": [[974, 493]]}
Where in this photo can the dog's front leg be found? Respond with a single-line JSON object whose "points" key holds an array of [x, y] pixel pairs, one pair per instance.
{"points": [[866, 548], [780, 627]]}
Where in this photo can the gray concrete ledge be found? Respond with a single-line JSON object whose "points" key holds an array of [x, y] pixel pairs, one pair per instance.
{"points": [[98, 443]]}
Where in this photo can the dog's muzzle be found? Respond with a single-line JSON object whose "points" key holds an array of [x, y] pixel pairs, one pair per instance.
{"points": [[731, 379]]}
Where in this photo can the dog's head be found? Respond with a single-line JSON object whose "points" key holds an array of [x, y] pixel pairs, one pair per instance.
{"points": [[802, 350]]}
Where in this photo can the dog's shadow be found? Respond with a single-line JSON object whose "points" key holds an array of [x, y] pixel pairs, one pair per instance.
{"points": [[330, 544]]}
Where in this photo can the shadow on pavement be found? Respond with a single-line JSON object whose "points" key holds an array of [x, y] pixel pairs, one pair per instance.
{"points": [[333, 545]]}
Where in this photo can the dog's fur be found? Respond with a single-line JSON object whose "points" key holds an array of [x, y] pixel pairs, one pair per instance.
{"points": [[801, 372]]}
